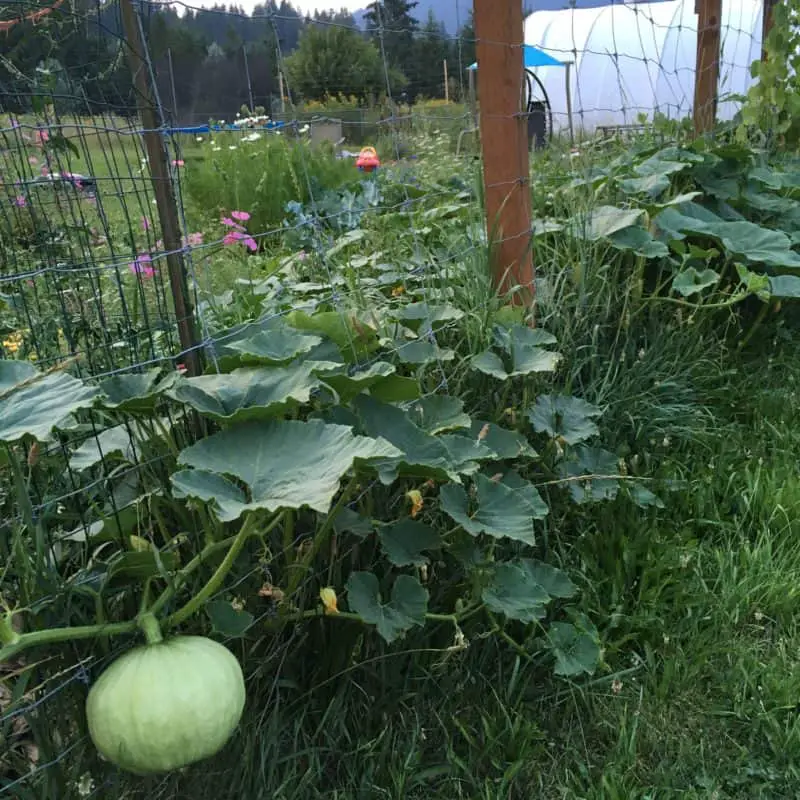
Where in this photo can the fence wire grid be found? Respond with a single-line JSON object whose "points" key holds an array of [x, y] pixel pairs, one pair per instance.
{"points": [[263, 179]]}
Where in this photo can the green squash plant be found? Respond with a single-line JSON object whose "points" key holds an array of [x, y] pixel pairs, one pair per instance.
{"points": [[319, 456]]}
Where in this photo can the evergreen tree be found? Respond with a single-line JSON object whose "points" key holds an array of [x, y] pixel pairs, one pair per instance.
{"points": [[392, 27]]}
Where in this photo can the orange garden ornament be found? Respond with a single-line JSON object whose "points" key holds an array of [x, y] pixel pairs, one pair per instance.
{"points": [[368, 159]]}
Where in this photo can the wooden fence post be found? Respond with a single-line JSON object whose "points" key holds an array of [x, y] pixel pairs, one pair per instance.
{"points": [[766, 25], [706, 81], [504, 144], [162, 188]]}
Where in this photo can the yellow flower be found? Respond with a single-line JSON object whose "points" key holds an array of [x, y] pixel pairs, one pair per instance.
{"points": [[328, 597], [13, 342], [417, 503]]}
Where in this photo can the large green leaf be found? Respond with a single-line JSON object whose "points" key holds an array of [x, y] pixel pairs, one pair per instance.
{"points": [[603, 221], [228, 501], [419, 453], [740, 238], [404, 542], [406, 608], [505, 444], [135, 392], [227, 620], [638, 241], [285, 464], [591, 461], [438, 413], [568, 418], [691, 281], [554, 581], [512, 591], [651, 185], [784, 286], [525, 348], [348, 383], [355, 339], [422, 316], [33, 403], [421, 351], [114, 441], [247, 393], [576, 651], [504, 508], [280, 345]]}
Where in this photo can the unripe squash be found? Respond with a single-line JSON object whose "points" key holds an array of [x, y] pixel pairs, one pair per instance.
{"points": [[162, 706]]}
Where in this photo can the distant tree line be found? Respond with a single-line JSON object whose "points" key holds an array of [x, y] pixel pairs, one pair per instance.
{"points": [[211, 62]]}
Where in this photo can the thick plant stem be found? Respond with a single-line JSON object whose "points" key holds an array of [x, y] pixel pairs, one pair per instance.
{"points": [[179, 579], [53, 635], [150, 628], [216, 580], [8, 636]]}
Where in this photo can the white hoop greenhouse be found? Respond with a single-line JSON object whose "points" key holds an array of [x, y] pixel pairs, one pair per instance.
{"points": [[636, 58]]}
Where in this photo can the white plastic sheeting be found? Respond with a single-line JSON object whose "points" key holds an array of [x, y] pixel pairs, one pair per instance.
{"points": [[630, 59]]}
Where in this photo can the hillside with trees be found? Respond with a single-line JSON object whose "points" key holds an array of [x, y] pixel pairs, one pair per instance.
{"points": [[211, 61]]}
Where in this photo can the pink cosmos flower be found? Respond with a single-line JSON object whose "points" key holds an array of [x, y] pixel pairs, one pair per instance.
{"points": [[240, 216], [145, 224], [143, 265], [234, 237], [41, 138], [177, 162], [33, 161], [19, 201], [194, 239], [229, 223]]}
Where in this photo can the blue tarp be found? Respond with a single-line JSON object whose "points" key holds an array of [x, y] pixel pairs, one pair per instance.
{"points": [[197, 129], [533, 57]]}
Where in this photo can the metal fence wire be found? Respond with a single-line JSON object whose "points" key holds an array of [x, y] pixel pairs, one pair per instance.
{"points": [[112, 159]]}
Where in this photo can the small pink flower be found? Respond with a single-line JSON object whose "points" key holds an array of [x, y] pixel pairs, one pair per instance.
{"points": [[181, 368], [302, 255], [177, 162], [240, 216], [33, 161], [194, 239], [19, 201], [229, 223], [237, 237], [41, 138], [143, 265], [145, 224], [14, 123]]}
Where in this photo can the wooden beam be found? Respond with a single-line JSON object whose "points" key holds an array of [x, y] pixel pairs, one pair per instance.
{"points": [[162, 188], [504, 144], [766, 25], [709, 15]]}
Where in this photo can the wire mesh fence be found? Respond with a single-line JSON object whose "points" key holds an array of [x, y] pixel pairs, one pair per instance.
{"points": [[273, 221]]}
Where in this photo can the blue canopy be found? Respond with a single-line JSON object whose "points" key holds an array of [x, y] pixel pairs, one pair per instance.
{"points": [[533, 57]]}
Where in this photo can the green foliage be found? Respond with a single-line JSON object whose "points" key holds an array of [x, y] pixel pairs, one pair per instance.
{"points": [[262, 175], [771, 110], [332, 60]]}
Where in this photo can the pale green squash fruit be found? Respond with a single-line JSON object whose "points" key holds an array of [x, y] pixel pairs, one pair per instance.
{"points": [[162, 706]]}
